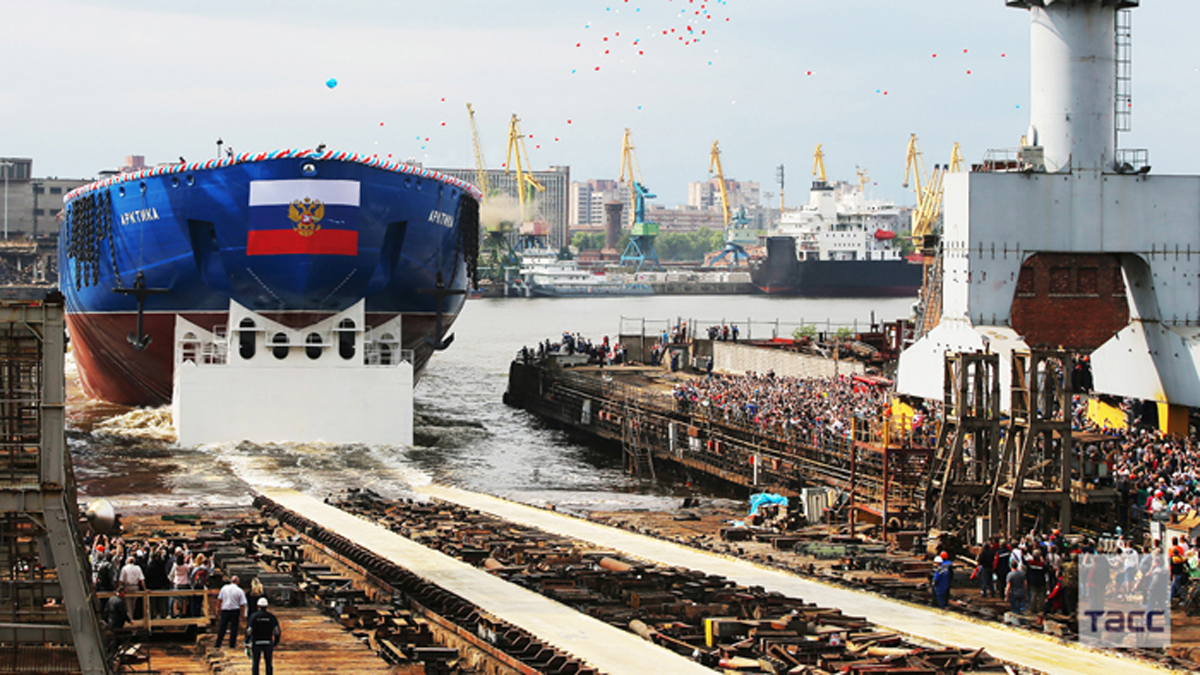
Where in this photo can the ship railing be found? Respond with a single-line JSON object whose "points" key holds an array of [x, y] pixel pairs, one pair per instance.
{"points": [[385, 354], [748, 328], [149, 605], [203, 352], [1000, 160], [1133, 160]]}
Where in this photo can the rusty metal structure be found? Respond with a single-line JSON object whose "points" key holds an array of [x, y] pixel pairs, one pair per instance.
{"points": [[47, 619], [993, 469], [968, 446], [1035, 467], [705, 617], [513, 650]]}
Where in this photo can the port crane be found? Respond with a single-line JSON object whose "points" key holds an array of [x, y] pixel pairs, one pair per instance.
{"points": [[733, 223], [929, 189], [640, 248], [527, 185], [499, 255], [819, 165], [481, 177]]}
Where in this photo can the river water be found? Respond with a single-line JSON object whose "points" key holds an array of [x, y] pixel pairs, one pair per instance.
{"points": [[465, 435]]}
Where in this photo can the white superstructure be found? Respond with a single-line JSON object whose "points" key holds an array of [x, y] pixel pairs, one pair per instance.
{"points": [[1071, 191], [840, 223], [543, 274], [337, 381]]}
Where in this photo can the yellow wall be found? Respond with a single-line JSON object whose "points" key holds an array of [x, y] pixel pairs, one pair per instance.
{"points": [[1105, 415], [1173, 419]]}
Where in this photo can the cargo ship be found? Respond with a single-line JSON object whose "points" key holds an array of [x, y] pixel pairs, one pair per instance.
{"points": [[839, 244], [294, 236]]}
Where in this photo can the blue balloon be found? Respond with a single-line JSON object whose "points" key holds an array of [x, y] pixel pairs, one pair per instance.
{"points": [[331, 83]]}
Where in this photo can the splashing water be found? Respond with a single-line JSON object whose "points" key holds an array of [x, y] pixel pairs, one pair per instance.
{"points": [[151, 424]]}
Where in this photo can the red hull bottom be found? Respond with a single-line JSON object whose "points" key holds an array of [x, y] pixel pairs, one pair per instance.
{"points": [[110, 369]]}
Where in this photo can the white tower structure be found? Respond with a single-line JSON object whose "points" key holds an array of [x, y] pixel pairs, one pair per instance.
{"points": [[1073, 82], [1068, 195]]}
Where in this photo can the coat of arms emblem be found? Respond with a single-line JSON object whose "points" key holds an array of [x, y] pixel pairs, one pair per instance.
{"points": [[306, 215]]}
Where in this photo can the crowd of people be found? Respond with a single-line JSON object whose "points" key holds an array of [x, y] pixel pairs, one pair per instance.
{"points": [[125, 567], [793, 406], [144, 566], [602, 353], [1156, 474], [1046, 573]]}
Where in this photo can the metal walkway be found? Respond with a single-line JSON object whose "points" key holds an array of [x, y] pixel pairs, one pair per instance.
{"points": [[1028, 649], [609, 649]]}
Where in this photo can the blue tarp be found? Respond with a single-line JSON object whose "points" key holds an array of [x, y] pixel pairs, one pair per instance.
{"points": [[765, 498]]}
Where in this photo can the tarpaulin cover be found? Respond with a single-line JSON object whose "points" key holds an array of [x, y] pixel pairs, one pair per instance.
{"points": [[765, 498]]}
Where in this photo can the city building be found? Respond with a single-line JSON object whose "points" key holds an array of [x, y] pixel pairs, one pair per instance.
{"points": [[588, 199], [551, 205], [707, 195], [30, 205], [685, 218]]}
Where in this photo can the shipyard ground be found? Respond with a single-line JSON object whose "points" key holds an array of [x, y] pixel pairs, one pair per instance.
{"points": [[1037, 652], [318, 643]]}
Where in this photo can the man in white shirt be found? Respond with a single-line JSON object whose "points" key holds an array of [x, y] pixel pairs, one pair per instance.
{"points": [[133, 580], [233, 605]]}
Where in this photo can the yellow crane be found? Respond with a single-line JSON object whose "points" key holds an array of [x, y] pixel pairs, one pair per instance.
{"points": [[819, 163], [481, 177], [733, 250], [863, 179], [714, 166], [631, 171], [930, 192], [642, 234], [516, 150]]}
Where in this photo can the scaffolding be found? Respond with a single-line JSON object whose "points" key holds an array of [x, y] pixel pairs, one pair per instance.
{"points": [[47, 619], [1035, 467], [968, 446]]}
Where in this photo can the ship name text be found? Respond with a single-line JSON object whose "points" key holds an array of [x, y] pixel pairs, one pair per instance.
{"points": [[139, 216], [441, 218]]}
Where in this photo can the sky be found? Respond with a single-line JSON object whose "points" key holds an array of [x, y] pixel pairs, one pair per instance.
{"points": [[87, 82]]}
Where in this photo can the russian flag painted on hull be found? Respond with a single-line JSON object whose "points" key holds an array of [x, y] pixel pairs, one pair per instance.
{"points": [[295, 235], [303, 217]]}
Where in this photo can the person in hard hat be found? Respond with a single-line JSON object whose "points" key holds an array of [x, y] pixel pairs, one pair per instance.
{"points": [[262, 637], [942, 577]]}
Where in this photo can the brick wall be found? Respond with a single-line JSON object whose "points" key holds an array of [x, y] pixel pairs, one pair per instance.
{"points": [[1069, 301]]}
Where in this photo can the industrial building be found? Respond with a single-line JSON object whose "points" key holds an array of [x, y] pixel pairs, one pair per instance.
{"points": [[31, 205], [551, 205]]}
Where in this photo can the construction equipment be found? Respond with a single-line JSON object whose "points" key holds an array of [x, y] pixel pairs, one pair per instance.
{"points": [[499, 257], [48, 621], [819, 166], [863, 179], [526, 183], [929, 190], [640, 249], [481, 177], [733, 250]]}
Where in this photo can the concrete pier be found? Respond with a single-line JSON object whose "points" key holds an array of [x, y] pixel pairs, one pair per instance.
{"points": [[1042, 653], [606, 648]]}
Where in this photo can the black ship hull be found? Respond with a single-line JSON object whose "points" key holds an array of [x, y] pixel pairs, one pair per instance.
{"points": [[780, 273]]}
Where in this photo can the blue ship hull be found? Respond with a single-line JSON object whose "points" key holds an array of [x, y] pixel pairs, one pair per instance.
{"points": [[295, 235]]}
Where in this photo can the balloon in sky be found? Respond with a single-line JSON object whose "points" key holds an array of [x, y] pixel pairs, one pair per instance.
{"points": [[331, 83]]}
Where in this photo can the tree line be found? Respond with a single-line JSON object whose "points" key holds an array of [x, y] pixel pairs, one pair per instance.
{"points": [[681, 246]]}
